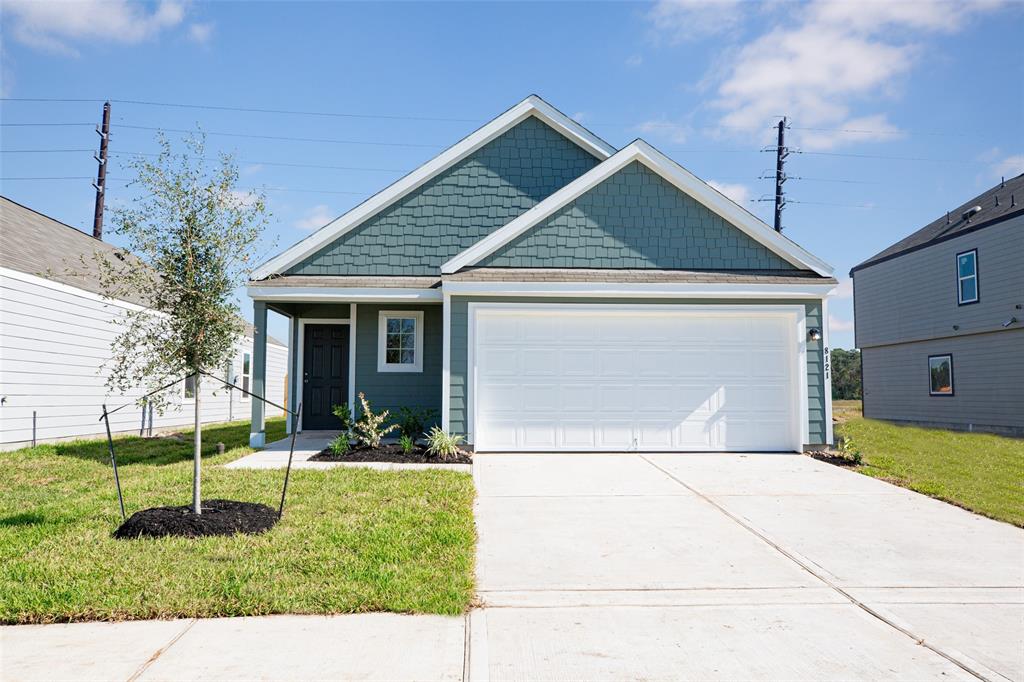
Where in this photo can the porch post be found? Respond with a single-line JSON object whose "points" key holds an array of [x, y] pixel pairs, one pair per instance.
{"points": [[258, 428]]}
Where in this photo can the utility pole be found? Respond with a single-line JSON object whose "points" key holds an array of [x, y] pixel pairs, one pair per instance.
{"points": [[780, 177], [101, 173]]}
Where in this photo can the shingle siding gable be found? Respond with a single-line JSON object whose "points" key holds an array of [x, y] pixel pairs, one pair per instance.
{"points": [[636, 219], [456, 208]]}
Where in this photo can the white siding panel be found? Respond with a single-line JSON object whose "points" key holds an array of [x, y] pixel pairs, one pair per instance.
{"points": [[53, 343]]}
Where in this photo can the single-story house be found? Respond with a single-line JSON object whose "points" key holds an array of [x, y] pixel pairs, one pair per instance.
{"points": [[544, 291], [55, 335], [940, 319]]}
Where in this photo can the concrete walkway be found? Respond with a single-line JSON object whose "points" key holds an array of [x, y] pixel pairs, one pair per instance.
{"points": [[613, 567], [310, 443]]}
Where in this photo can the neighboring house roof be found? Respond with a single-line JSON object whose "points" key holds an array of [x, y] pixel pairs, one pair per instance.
{"points": [[36, 244], [1009, 195], [636, 276], [643, 153], [532, 106]]}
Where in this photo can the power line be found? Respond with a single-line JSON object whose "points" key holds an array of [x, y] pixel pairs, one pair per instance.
{"points": [[26, 125], [43, 151], [281, 163], [128, 181], [282, 137]]}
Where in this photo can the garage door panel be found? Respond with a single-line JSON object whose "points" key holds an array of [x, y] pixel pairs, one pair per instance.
{"points": [[578, 435], [624, 380]]}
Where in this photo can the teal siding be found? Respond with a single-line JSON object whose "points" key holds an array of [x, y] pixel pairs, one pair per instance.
{"points": [[460, 348], [458, 207], [636, 219], [392, 390]]}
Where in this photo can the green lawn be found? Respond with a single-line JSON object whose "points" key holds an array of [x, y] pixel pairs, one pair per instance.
{"points": [[980, 472], [350, 540]]}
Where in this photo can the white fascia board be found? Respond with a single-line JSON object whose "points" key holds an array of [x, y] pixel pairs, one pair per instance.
{"points": [[670, 171], [531, 106], [69, 289], [640, 289], [342, 294]]}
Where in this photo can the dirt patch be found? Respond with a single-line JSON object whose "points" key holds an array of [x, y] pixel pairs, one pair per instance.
{"points": [[219, 517], [389, 453]]}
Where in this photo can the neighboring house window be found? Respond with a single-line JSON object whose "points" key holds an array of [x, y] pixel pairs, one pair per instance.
{"points": [[940, 374], [245, 375], [400, 341], [967, 277], [190, 387]]}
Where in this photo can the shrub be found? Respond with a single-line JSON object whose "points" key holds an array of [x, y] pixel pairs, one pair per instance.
{"points": [[344, 413], [407, 444], [369, 425], [848, 450], [443, 445], [340, 445], [412, 422]]}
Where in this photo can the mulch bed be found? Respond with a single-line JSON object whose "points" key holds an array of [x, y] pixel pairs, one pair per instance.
{"points": [[388, 453], [831, 458], [219, 517]]}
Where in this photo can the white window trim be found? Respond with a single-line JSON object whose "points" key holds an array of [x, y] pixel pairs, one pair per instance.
{"points": [[382, 323], [242, 375], [961, 278], [184, 396]]}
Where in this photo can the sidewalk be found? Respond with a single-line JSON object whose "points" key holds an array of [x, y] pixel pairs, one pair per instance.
{"points": [[371, 646]]}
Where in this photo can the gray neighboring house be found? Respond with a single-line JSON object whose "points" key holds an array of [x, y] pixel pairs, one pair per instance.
{"points": [[543, 291], [940, 319], [55, 333]]}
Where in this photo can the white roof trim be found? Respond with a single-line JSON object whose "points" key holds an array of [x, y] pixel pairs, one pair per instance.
{"points": [[641, 289], [341, 294], [531, 106], [668, 169]]}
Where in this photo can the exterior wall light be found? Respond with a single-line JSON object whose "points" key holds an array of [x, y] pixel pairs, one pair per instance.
{"points": [[814, 334]]}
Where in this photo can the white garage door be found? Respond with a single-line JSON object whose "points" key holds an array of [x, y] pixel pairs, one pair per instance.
{"points": [[578, 378]]}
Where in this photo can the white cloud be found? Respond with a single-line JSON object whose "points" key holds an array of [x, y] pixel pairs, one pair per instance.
{"points": [[251, 168], [845, 288], [677, 21], [242, 198], [200, 33], [673, 132], [735, 191], [1009, 166], [53, 26], [315, 218], [827, 58], [634, 60], [837, 324]]}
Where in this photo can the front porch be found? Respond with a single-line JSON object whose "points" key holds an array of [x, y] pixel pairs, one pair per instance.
{"points": [[340, 344]]}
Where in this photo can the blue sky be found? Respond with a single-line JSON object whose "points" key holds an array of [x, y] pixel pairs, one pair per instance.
{"points": [[901, 110]]}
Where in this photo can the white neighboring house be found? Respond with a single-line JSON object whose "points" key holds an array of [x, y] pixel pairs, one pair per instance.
{"points": [[55, 334]]}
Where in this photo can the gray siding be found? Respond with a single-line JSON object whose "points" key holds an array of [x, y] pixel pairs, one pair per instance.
{"points": [[460, 351], [988, 376], [392, 390], [456, 208], [914, 297], [636, 219]]}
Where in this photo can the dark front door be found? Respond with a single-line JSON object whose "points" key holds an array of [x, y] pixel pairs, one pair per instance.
{"points": [[324, 374]]}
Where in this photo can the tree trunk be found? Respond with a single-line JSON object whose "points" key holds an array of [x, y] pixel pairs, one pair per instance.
{"points": [[197, 456]]}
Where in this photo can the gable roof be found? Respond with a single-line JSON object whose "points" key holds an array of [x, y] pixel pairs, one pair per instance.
{"points": [[668, 169], [1010, 197], [38, 245], [531, 106]]}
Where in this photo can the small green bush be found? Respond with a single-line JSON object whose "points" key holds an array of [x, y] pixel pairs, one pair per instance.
{"points": [[340, 445], [407, 444], [847, 449], [412, 422], [443, 445], [344, 413]]}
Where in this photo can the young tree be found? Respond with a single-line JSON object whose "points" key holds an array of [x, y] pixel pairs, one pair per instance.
{"points": [[189, 240]]}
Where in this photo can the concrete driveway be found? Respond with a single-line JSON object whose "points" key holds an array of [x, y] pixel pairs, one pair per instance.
{"points": [[735, 567]]}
